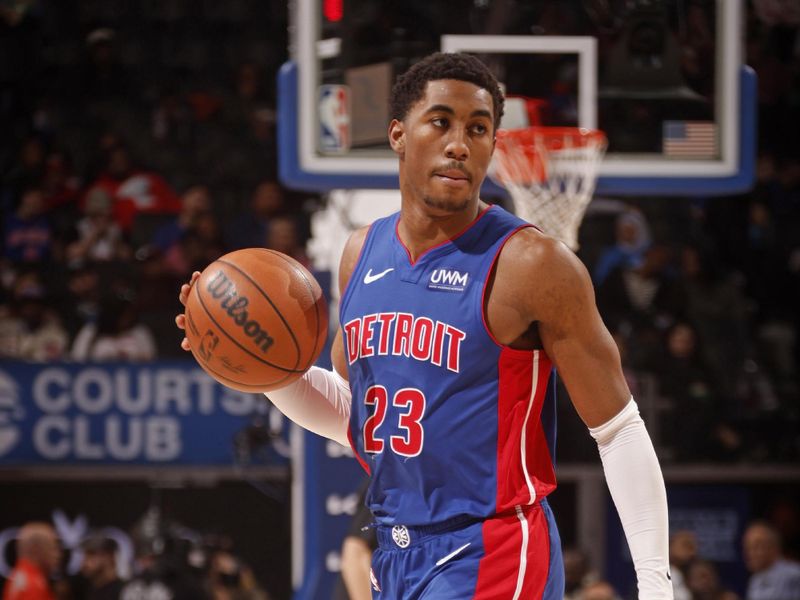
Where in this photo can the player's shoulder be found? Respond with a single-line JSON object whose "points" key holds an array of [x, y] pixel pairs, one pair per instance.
{"points": [[356, 240], [350, 254], [531, 253], [543, 276]]}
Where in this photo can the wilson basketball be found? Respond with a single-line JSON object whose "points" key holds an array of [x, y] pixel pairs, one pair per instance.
{"points": [[256, 320]]}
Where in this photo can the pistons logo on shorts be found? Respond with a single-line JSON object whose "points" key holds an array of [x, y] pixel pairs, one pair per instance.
{"points": [[400, 536]]}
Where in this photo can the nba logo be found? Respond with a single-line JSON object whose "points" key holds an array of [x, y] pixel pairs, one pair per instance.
{"points": [[334, 118]]}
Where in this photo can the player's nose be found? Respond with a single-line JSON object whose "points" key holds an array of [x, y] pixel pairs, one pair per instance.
{"points": [[456, 147]]}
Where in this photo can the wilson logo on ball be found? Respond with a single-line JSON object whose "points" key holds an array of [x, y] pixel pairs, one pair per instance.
{"points": [[235, 305]]}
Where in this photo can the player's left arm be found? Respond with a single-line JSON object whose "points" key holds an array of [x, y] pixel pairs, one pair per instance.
{"points": [[574, 337]]}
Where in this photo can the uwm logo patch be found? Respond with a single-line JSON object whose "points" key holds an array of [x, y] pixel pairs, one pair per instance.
{"points": [[448, 280]]}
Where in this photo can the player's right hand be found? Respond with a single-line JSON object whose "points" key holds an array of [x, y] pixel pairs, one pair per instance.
{"points": [[183, 296]]}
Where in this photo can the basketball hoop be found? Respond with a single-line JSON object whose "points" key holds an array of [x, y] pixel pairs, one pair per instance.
{"points": [[550, 173]]}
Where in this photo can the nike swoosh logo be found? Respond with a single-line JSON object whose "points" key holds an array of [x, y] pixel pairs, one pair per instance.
{"points": [[441, 561], [369, 277]]}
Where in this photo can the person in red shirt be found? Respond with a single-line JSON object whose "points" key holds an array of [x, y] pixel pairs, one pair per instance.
{"points": [[133, 190], [38, 558]]}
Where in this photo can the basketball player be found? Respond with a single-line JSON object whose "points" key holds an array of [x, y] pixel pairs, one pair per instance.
{"points": [[453, 316]]}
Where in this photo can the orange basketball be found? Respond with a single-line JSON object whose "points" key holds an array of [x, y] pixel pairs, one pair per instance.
{"points": [[256, 320]]}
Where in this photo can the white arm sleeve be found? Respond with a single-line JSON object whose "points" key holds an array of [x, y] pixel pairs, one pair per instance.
{"points": [[319, 401], [637, 488]]}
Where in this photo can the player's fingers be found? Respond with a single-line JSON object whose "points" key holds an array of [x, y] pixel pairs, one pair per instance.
{"points": [[183, 296], [180, 321], [185, 344]]}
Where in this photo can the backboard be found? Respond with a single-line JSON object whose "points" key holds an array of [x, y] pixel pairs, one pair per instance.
{"points": [[663, 78]]}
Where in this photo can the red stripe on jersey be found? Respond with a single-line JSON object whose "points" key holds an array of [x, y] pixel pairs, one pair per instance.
{"points": [[524, 465], [516, 559], [360, 460]]}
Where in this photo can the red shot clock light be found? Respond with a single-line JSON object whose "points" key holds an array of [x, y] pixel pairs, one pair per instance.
{"points": [[333, 10]]}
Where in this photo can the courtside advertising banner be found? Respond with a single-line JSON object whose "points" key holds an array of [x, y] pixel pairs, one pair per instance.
{"points": [[163, 413]]}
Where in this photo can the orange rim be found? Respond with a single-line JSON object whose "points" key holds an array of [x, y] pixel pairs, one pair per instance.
{"points": [[554, 135]]}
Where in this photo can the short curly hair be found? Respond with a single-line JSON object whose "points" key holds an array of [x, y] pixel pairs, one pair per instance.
{"points": [[410, 86]]}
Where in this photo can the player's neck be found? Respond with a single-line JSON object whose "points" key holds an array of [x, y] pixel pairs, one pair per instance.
{"points": [[421, 228]]}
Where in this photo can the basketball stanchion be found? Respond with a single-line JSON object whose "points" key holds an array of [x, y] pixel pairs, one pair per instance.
{"points": [[550, 173]]}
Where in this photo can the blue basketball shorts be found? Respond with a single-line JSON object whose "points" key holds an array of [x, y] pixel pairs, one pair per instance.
{"points": [[508, 557]]}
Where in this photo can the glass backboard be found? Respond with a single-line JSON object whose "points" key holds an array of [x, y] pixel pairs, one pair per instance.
{"points": [[663, 78]]}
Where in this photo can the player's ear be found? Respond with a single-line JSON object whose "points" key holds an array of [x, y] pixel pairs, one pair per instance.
{"points": [[397, 137]]}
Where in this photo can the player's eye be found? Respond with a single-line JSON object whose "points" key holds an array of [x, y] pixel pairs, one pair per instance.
{"points": [[480, 128], [439, 122]]}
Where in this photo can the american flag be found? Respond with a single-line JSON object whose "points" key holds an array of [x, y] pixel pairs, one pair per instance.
{"points": [[690, 139]]}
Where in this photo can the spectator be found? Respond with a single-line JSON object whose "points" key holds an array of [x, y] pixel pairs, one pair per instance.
{"points": [[117, 335], [784, 514], [764, 264], [713, 301], [171, 118], [61, 189], [682, 551], [8, 276], [249, 229], [195, 202], [27, 233], [102, 77], [134, 190], [99, 237], [59, 184], [773, 577], [599, 590], [29, 328], [262, 140], [632, 240], [248, 94], [282, 235], [26, 171], [229, 579], [38, 559], [199, 246], [99, 568], [638, 301], [80, 300], [703, 582], [700, 427], [161, 570], [577, 574]]}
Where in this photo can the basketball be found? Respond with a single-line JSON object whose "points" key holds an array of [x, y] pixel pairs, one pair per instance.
{"points": [[256, 320]]}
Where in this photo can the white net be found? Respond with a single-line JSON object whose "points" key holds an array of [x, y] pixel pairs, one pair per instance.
{"points": [[550, 173]]}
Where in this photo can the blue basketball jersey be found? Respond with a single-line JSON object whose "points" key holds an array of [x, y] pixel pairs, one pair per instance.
{"points": [[448, 421]]}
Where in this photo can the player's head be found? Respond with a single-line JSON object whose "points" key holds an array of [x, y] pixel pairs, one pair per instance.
{"points": [[445, 111], [410, 86]]}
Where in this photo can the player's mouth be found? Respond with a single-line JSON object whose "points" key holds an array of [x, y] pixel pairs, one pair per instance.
{"points": [[453, 177]]}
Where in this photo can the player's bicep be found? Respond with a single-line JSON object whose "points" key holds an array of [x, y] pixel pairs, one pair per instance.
{"points": [[347, 264], [350, 254], [577, 341]]}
